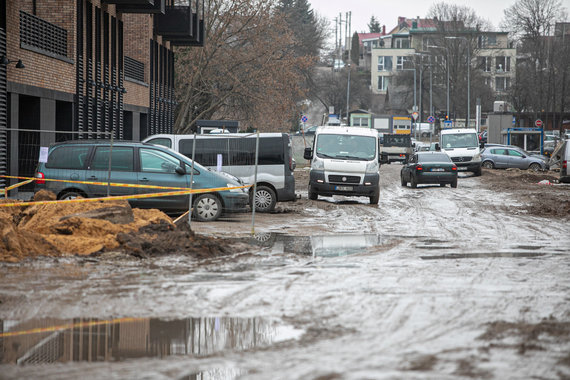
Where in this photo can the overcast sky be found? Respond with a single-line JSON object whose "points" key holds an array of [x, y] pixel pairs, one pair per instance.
{"points": [[387, 12]]}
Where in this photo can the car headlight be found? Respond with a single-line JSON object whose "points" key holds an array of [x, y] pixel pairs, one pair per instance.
{"points": [[318, 164], [238, 190], [477, 157], [372, 167]]}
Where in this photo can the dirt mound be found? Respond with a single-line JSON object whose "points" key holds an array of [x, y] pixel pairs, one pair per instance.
{"points": [[539, 191], [92, 227]]}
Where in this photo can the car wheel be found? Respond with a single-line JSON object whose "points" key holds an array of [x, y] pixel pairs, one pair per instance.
{"points": [[313, 194], [375, 198], [535, 167], [403, 181], [488, 165], [413, 182], [454, 184], [71, 195], [265, 199], [442, 185], [207, 208]]}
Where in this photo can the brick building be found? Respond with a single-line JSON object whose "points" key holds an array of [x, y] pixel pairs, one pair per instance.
{"points": [[74, 69]]}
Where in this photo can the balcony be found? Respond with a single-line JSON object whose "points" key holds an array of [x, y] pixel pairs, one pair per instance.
{"points": [[182, 24], [149, 6]]}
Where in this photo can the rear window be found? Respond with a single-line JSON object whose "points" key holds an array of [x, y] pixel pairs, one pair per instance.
{"points": [[436, 157], [68, 157]]}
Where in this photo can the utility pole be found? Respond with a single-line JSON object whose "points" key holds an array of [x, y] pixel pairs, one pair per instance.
{"points": [[340, 35]]}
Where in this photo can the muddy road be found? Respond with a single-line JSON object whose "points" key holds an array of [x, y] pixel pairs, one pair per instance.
{"points": [[431, 283]]}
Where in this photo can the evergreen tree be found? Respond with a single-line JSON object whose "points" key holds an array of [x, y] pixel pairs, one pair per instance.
{"points": [[355, 49], [306, 27], [374, 25]]}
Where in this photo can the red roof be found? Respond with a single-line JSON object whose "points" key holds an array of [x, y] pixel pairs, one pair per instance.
{"points": [[365, 36]]}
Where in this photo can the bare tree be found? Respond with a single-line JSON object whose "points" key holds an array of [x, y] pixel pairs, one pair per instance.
{"points": [[248, 69], [543, 64]]}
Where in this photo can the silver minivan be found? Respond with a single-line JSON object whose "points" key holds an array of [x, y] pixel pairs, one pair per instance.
{"points": [[234, 153]]}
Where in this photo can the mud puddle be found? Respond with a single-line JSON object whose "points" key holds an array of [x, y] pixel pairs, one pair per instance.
{"points": [[484, 255], [318, 245], [49, 340]]}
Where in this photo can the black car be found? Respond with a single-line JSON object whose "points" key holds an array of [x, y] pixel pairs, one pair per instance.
{"points": [[429, 168]]}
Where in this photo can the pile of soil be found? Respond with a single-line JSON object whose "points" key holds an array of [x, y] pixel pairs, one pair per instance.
{"points": [[89, 228], [540, 191]]}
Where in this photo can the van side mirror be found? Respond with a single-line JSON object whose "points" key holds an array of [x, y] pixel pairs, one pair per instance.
{"points": [[437, 147], [308, 153], [180, 170]]}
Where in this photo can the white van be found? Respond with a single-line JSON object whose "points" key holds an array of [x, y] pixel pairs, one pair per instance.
{"points": [[234, 153], [462, 146], [344, 161]]}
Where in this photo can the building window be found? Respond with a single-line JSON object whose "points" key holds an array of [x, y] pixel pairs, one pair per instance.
{"points": [[360, 122], [400, 62], [502, 83], [503, 64], [485, 64], [485, 41], [383, 83], [41, 36], [401, 43], [384, 63]]}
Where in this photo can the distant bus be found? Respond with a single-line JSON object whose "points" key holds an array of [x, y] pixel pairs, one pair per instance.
{"points": [[402, 125]]}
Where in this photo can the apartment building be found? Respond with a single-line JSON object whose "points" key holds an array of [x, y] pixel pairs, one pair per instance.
{"points": [[76, 69], [492, 54]]}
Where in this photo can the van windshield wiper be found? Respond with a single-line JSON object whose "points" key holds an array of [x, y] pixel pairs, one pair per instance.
{"points": [[325, 155]]}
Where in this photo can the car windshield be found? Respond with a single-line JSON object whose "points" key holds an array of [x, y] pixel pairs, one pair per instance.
{"points": [[459, 140], [433, 157], [346, 147]]}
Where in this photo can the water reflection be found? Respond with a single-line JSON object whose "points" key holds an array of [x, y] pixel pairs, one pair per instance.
{"points": [[320, 245], [50, 340]]}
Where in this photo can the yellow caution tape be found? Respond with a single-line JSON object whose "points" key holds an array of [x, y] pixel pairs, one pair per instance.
{"points": [[126, 197], [98, 183], [69, 326]]}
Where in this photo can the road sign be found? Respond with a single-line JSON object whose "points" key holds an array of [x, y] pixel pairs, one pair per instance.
{"points": [[431, 119], [415, 115], [448, 124], [538, 123], [304, 119]]}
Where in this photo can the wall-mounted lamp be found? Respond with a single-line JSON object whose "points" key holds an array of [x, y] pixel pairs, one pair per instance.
{"points": [[5, 61]]}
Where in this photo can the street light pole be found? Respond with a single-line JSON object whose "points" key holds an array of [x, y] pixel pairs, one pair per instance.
{"points": [[468, 74], [348, 96]]}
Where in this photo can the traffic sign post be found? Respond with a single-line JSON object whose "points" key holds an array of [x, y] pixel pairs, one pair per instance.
{"points": [[415, 115]]}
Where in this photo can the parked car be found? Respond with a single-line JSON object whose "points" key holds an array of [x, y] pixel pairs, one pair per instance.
{"points": [[510, 156], [138, 164], [429, 168]]}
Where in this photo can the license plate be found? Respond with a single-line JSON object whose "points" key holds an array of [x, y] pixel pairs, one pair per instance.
{"points": [[437, 170], [461, 168], [343, 188]]}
